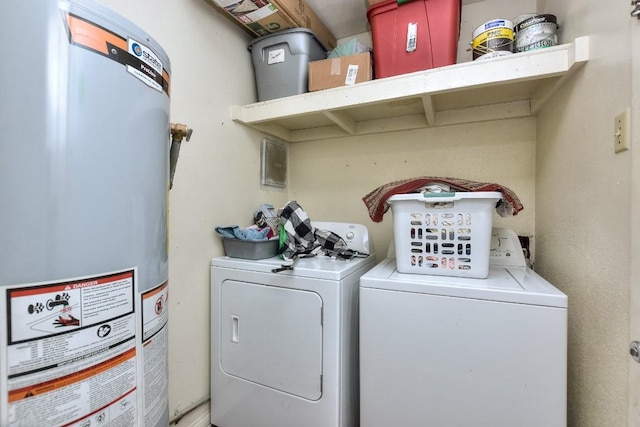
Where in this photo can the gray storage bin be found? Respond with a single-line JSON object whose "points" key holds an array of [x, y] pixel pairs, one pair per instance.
{"points": [[281, 62], [250, 249]]}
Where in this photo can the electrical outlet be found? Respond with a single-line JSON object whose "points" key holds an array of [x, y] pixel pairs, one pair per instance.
{"points": [[621, 131]]}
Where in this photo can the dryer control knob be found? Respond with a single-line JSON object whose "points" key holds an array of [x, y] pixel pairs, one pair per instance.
{"points": [[350, 235]]}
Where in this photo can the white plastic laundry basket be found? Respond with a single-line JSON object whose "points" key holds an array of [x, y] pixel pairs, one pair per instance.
{"points": [[445, 234]]}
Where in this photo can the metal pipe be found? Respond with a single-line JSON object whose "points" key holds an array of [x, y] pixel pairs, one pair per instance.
{"points": [[178, 132]]}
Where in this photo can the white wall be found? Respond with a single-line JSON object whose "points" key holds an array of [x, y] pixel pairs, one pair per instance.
{"points": [[347, 169], [582, 217], [217, 178]]}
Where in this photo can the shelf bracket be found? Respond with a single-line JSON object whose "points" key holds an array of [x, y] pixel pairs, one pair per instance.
{"points": [[578, 55], [273, 130], [429, 110], [484, 113], [344, 120]]}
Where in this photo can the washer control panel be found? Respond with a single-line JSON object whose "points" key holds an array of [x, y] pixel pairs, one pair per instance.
{"points": [[506, 249], [356, 235]]}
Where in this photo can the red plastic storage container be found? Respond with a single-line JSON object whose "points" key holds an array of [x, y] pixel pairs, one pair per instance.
{"points": [[414, 35]]}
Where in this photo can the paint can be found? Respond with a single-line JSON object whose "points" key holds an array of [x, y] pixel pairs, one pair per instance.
{"points": [[518, 19], [494, 37], [535, 32]]}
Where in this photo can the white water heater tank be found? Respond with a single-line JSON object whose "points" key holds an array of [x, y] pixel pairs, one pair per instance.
{"points": [[84, 119]]}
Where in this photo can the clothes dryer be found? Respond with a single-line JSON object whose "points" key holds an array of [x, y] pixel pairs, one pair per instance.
{"points": [[447, 351], [284, 346]]}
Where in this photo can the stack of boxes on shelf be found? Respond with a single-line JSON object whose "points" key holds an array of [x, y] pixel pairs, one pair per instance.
{"points": [[290, 54]]}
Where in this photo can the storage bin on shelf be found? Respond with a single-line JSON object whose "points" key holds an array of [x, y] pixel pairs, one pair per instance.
{"points": [[444, 234], [413, 36], [281, 61]]}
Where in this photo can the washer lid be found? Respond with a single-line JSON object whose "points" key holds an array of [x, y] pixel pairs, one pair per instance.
{"points": [[317, 267], [504, 284]]}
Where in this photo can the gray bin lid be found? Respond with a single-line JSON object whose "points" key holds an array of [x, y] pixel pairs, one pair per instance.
{"points": [[284, 33]]}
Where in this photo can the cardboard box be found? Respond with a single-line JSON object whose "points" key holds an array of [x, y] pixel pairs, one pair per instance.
{"points": [[305, 17], [341, 71], [262, 17], [255, 20]]}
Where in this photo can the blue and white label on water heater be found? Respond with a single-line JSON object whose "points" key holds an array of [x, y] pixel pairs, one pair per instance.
{"points": [[149, 69]]}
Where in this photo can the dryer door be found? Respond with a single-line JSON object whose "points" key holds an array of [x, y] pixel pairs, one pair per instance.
{"points": [[272, 336]]}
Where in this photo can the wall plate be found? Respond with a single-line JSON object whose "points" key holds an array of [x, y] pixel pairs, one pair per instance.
{"points": [[273, 161], [621, 131]]}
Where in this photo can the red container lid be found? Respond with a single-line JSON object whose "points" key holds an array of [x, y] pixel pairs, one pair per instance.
{"points": [[381, 7]]}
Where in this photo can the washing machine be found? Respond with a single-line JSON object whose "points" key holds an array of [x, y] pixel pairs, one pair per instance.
{"points": [[284, 346], [461, 352]]}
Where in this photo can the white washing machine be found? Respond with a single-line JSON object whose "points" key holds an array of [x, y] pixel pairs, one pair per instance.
{"points": [[459, 352], [284, 346]]}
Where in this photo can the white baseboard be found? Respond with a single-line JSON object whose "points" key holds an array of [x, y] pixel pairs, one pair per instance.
{"points": [[199, 417]]}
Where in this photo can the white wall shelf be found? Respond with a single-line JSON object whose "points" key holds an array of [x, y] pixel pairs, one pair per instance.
{"points": [[513, 86]]}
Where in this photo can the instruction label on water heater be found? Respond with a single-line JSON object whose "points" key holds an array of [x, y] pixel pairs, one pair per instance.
{"points": [[155, 340], [72, 355], [150, 66]]}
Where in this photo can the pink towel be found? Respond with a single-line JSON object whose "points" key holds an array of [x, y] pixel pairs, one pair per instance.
{"points": [[376, 201]]}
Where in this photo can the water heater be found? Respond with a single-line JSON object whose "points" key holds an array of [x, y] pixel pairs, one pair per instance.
{"points": [[84, 115]]}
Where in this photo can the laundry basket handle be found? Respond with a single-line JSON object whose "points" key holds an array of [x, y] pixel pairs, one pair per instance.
{"points": [[441, 197]]}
